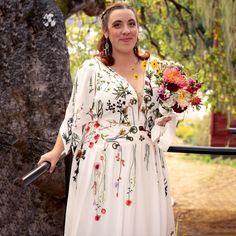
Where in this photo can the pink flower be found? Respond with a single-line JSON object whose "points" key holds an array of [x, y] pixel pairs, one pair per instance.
{"points": [[96, 124], [97, 217], [91, 144], [103, 211], [162, 93], [128, 202], [97, 166], [96, 137], [87, 129]]}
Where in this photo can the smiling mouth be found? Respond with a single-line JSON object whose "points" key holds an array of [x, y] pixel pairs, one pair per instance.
{"points": [[126, 39]]}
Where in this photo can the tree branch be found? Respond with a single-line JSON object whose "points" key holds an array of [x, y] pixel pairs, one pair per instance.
{"points": [[179, 7], [153, 41]]}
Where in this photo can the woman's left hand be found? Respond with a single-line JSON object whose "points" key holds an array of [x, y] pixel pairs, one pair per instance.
{"points": [[163, 121]]}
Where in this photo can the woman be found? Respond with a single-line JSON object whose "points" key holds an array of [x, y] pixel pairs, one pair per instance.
{"points": [[118, 181]]}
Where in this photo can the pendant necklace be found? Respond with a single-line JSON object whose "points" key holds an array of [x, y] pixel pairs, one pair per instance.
{"points": [[135, 75]]}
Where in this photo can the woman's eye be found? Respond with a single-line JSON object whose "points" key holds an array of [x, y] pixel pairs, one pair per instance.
{"points": [[116, 25], [132, 24]]}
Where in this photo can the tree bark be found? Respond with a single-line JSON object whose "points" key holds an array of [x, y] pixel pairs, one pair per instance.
{"points": [[35, 86]]}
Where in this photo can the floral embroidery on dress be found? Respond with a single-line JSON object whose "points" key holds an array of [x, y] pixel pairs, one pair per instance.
{"points": [[104, 116], [99, 186]]}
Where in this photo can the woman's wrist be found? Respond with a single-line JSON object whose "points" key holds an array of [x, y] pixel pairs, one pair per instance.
{"points": [[57, 151]]}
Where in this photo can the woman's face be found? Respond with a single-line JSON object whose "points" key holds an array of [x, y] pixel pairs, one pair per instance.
{"points": [[122, 30]]}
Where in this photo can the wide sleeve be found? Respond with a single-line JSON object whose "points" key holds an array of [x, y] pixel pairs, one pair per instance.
{"points": [[78, 111], [164, 135]]}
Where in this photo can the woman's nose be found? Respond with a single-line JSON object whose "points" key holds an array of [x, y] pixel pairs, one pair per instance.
{"points": [[126, 30]]}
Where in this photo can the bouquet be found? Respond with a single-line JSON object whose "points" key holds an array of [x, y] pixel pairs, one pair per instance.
{"points": [[177, 91]]}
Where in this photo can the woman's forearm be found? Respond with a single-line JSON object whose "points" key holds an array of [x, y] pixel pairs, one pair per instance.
{"points": [[59, 146]]}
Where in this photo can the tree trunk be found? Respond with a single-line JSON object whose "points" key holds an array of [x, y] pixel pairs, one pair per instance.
{"points": [[35, 86]]}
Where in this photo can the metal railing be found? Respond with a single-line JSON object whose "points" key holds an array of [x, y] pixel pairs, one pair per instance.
{"points": [[203, 150], [232, 130], [44, 167]]}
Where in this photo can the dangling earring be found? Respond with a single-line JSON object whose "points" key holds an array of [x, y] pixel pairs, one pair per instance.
{"points": [[107, 48], [136, 48]]}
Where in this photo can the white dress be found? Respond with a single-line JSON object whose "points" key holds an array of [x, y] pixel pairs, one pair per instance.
{"points": [[119, 184]]}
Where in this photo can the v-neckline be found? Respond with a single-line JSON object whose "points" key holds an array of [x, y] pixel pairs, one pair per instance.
{"points": [[122, 78], [129, 84]]}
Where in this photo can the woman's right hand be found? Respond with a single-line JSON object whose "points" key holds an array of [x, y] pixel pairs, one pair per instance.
{"points": [[53, 157]]}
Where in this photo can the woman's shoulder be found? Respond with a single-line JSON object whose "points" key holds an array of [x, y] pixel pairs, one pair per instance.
{"points": [[90, 63], [88, 66]]}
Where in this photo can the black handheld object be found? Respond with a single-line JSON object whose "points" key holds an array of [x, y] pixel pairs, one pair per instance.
{"points": [[33, 174]]}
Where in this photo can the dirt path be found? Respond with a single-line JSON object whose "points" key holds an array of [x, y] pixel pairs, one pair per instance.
{"points": [[204, 197]]}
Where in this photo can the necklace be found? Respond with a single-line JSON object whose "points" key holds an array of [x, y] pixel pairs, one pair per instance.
{"points": [[135, 75]]}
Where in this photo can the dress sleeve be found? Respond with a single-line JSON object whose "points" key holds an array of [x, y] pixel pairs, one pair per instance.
{"points": [[78, 111], [164, 135]]}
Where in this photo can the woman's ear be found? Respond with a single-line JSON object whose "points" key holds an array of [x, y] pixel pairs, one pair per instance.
{"points": [[105, 33]]}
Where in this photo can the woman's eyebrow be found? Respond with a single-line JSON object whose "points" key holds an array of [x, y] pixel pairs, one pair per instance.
{"points": [[117, 21], [120, 21]]}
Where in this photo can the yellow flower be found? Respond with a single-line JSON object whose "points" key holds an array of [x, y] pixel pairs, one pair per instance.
{"points": [[136, 77], [154, 64], [144, 64], [158, 71], [122, 132]]}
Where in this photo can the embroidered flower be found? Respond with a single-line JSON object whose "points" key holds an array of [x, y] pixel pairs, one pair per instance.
{"points": [[91, 144], [97, 165], [123, 162], [96, 124], [128, 202], [80, 154], [87, 129], [103, 211], [141, 138], [96, 137], [97, 217]]}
